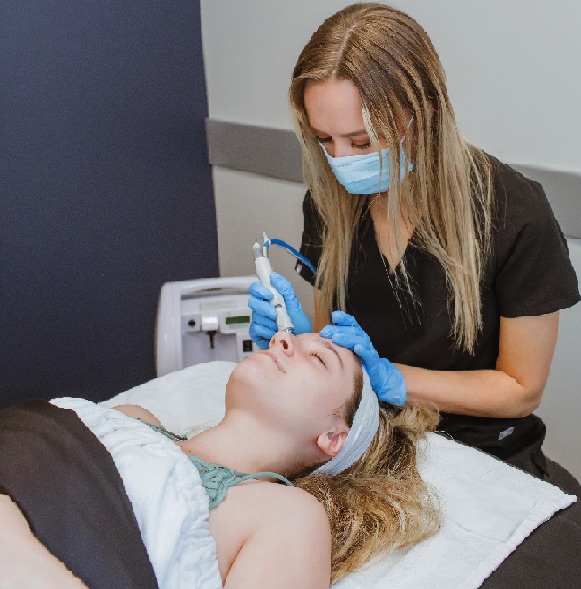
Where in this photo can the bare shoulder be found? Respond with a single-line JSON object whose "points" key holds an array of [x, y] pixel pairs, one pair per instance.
{"points": [[289, 539], [295, 511], [288, 502], [138, 411]]}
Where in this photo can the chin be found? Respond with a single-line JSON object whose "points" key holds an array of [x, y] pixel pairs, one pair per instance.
{"points": [[247, 386], [251, 371]]}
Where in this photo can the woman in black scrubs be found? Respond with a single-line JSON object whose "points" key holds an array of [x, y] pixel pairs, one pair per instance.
{"points": [[448, 267]]}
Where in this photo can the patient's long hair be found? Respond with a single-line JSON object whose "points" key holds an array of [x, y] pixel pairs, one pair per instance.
{"points": [[380, 503]]}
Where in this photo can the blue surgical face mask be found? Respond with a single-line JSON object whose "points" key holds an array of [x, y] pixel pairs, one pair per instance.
{"points": [[360, 174]]}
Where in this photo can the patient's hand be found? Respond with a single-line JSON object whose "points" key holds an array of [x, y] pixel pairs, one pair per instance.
{"points": [[25, 562], [140, 412]]}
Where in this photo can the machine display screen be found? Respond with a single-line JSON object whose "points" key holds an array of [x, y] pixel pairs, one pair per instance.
{"points": [[237, 319]]}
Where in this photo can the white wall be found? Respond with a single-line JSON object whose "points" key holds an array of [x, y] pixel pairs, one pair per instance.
{"points": [[513, 76], [512, 67]]}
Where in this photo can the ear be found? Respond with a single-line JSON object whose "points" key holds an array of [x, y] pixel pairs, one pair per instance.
{"points": [[332, 441]]}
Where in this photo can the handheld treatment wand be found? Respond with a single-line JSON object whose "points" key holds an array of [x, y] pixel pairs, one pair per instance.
{"points": [[263, 271]]}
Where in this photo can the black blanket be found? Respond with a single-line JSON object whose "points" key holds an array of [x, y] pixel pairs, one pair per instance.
{"points": [[66, 484]]}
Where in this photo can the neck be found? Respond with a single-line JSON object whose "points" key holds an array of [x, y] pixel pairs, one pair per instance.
{"points": [[391, 241], [241, 443]]}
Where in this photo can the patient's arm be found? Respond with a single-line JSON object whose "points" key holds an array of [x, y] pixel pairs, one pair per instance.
{"points": [[137, 411], [288, 550], [25, 562]]}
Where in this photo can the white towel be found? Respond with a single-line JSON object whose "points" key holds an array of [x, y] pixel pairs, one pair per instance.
{"points": [[165, 490], [489, 509]]}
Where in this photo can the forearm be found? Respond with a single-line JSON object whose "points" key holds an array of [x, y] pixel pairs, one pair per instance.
{"points": [[514, 389], [482, 393], [25, 562], [138, 412]]}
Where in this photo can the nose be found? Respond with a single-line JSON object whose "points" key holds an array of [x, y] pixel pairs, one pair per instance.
{"points": [[284, 341], [339, 147]]}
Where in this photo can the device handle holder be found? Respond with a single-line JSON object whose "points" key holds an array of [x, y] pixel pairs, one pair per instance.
{"points": [[168, 333]]}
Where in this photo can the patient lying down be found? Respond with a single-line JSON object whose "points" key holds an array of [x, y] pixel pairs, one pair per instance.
{"points": [[303, 411]]}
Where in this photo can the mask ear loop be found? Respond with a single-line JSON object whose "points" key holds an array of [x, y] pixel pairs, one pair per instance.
{"points": [[409, 166]]}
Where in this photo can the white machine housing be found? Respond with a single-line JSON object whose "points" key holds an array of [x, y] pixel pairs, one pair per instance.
{"points": [[201, 321]]}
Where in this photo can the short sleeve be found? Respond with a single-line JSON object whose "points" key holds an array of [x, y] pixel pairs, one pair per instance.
{"points": [[534, 275], [311, 244]]}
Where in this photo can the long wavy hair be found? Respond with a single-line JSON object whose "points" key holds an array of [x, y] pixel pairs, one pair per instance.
{"points": [[448, 199], [380, 503]]}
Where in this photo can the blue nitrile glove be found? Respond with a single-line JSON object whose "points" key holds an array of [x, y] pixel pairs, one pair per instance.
{"points": [[386, 379], [263, 325]]}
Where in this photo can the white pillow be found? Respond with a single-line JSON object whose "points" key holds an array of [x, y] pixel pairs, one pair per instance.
{"points": [[187, 398]]}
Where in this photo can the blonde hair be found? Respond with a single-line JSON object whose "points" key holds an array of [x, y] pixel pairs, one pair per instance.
{"points": [[380, 503], [448, 197]]}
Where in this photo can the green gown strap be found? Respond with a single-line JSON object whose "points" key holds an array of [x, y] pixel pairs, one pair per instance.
{"points": [[216, 478]]}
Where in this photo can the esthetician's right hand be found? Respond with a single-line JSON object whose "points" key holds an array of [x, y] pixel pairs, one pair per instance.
{"points": [[263, 325]]}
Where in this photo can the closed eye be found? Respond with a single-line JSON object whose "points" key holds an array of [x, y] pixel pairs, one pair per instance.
{"points": [[319, 358], [327, 140]]}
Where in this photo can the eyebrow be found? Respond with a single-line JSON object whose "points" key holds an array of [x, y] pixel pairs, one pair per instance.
{"points": [[330, 347], [352, 134]]}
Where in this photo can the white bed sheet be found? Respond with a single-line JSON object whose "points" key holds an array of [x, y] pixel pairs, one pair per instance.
{"points": [[489, 507]]}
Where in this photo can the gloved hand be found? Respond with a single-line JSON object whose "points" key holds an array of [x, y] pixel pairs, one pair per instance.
{"points": [[263, 325], [386, 379]]}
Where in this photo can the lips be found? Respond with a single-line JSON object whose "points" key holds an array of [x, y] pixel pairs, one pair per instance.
{"points": [[274, 359]]}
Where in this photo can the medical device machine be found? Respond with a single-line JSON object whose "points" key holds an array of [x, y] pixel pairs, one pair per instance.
{"points": [[201, 321], [208, 319]]}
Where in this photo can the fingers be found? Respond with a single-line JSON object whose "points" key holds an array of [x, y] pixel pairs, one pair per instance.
{"points": [[358, 343], [262, 329], [367, 354], [263, 325], [260, 335], [261, 308], [265, 322], [260, 292], [349, 340], [346, 337], [330, 330], [285, 288], [262, 343], [342, 318]]}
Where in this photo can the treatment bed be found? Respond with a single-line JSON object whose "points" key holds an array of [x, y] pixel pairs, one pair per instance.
{"points": [[502, 528]]}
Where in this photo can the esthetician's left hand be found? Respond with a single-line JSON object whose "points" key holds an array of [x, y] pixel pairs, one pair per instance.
{"points": [[386, 379]]}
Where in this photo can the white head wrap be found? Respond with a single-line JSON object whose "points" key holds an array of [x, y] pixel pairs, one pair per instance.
{"points": [[363, 430]]}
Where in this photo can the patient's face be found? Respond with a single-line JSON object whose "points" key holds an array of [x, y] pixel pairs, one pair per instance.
{"points": [[299, 382]]}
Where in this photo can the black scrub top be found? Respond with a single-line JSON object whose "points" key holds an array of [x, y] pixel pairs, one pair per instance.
{"points": [[528, 273]]}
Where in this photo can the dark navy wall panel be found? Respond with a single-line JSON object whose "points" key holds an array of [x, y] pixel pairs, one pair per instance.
{"points": [[105, 188]]}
